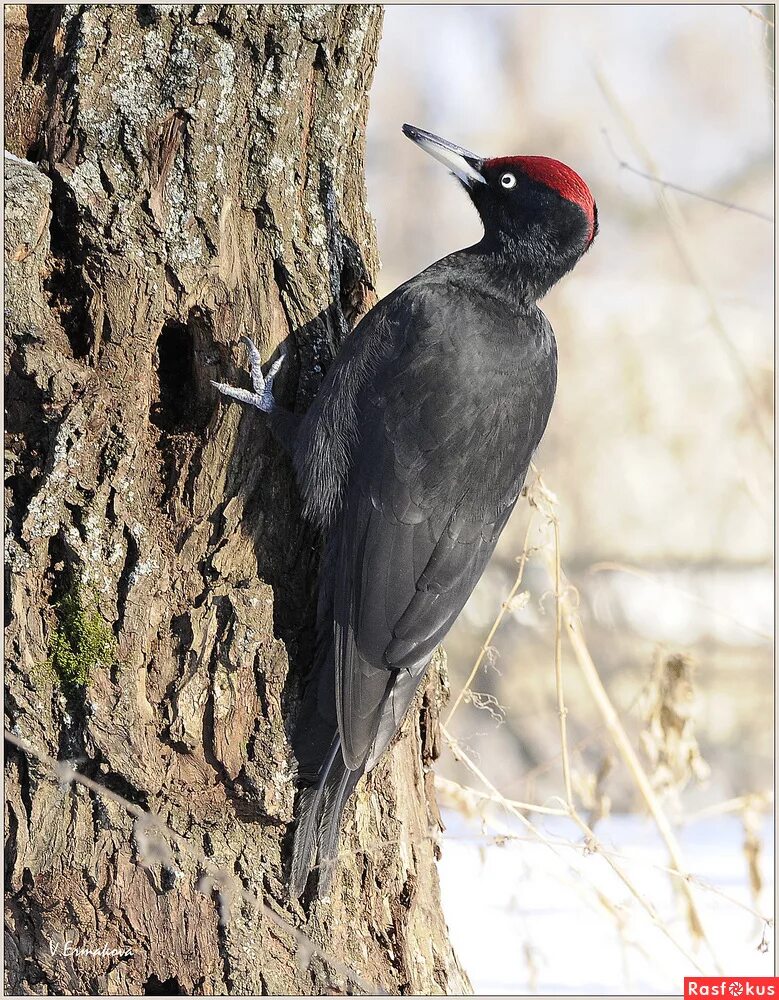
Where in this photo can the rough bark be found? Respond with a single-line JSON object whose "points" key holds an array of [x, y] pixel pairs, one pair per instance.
{"points": [[199, 177]]}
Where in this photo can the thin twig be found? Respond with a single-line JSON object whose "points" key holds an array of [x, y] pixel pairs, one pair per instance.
{"points": [[495, 625], [460, 754], [649, 577], [574, 632], [454, 788], [757, 14], [624, 165], [680, 235], [760, 800], [561, 602], [558, 669]]}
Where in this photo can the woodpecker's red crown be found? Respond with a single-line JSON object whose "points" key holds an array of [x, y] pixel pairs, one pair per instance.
{"points": [[539, 216], [555, 175]]}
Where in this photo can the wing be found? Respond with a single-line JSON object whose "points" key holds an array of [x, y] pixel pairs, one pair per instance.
{"points": [[447, 426]]}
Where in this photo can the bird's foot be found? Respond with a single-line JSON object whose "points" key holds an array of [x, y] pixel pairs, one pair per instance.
{"points": [[262, 396]]}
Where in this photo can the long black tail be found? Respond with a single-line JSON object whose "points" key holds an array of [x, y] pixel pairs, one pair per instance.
{"points": [[326, 781], [319, 809]]}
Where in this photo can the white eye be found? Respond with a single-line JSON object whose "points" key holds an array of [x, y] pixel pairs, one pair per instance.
{"points": [[508, 181]]}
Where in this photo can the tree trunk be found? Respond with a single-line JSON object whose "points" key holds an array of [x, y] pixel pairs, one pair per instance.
{"points": [[198, 176]]}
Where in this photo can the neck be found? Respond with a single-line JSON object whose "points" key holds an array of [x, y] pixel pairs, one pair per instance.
{"points": [[523, 268]]}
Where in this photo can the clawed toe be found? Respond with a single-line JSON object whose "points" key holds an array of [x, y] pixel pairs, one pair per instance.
{"points": [[255, 366], [262, 396]]}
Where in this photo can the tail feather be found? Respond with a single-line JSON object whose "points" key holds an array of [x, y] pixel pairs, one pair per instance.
{"points": [[308, 806], [319, 810], [334, 803], [332, 808], [307, 810], [326, 781]]}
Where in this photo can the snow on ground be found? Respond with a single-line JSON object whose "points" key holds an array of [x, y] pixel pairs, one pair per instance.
{"points": [[524, 919]]}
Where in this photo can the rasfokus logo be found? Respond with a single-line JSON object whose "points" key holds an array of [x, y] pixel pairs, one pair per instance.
{"points": [[733, 986]]}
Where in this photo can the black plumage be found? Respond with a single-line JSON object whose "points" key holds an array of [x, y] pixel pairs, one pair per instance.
{"points": [[411, 460]]}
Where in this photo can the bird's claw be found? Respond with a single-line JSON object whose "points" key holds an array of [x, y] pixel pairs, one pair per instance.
{"points": [[262, 396]]}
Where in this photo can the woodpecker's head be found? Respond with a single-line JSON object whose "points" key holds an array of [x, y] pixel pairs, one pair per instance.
{"points": [[534, 209]]}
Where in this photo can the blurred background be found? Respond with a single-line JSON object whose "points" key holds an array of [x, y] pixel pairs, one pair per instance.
{"points": [[658, 452]]}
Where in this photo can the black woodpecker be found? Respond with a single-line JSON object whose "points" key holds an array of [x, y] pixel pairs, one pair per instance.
{"points": [[410, 461]]}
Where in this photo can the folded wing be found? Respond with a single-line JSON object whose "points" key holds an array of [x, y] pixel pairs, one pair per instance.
{"points": [[447, 430]]}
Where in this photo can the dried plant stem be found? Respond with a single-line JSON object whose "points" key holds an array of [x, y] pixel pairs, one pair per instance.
{"points": [[497, 796], [761, 800], [454, 788], [618, 567], [562, 711], [574, 632], [461, 755], [757, 14], [556, 573], [496, 624]]}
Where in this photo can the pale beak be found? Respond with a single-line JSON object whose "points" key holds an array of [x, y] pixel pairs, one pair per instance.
{"points": [[463, 164]]}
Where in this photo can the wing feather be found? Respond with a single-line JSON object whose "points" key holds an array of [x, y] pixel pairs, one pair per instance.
{"points": [[446, 433]]}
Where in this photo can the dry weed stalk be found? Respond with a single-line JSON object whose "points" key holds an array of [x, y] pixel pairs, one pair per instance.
{"points": [[473, 803], [567, 618], [762, 801], [504, 608], [712, 199], [591, 846], [567, 621], [558, 649], [617, 567]]}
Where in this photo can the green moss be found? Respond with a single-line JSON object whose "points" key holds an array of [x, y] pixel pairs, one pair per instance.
{"points": [[82, 639], [42, 676]]}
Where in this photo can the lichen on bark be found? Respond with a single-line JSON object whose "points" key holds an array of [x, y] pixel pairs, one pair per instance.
{"points": [[198, 176]]}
